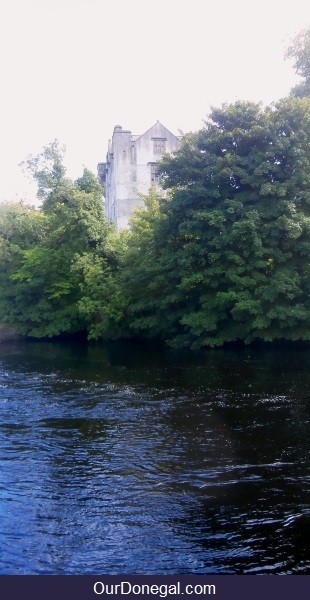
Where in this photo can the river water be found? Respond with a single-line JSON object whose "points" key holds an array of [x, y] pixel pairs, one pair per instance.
{"points": [[120, 459]]}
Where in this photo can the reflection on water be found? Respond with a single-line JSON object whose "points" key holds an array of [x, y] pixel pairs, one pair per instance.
{"points": [[119, 459]]}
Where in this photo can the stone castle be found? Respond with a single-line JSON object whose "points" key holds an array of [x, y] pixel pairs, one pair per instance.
{"points": [[130, 169]]}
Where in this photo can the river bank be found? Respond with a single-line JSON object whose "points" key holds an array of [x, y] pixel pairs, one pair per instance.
{"points": [[8, 334]]}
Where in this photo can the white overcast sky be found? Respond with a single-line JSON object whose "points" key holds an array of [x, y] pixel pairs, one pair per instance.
{"points": [[72, 69]]}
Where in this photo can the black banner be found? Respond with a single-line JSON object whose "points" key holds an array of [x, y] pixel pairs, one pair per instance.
{"points": [[147, 587]]}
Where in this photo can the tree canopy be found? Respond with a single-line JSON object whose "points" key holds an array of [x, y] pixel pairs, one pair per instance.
{"points": [[299, 52], [219, 254], [226, 256], [42, 251]]}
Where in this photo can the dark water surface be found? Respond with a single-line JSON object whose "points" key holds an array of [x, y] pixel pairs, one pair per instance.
{"points": [[119, 459]]}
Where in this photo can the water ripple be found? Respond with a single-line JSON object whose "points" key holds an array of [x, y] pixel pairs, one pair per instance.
{"points": [[172, 468]]}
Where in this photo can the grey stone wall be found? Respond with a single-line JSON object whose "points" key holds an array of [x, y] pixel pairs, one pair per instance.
{"points": [[127, 172]]}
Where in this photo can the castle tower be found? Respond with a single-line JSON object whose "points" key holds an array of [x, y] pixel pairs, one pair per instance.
{"points": [[130, 169]]}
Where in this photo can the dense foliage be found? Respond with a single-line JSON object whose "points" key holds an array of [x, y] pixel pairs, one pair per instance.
{"points": [[226, 256], [222, 255], [46, 254]]}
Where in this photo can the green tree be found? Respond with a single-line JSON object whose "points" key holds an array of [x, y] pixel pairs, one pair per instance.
{"points": [[227, 255], [299, 52], [21, 229], [45, 290], [102, 301], [116, 286], [47, 169], [147, 274]]}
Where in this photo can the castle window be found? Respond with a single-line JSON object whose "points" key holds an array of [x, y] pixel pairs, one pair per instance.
{"points": [[154, 172], [159, 145]]}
